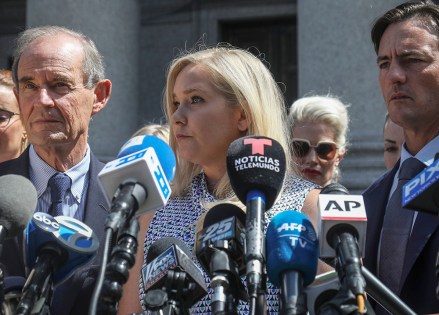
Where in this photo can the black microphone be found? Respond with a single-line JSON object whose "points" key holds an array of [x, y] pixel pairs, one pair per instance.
{"points": [[220, 249], [342, 220], [13, 288], [422, 191], [170, 268], [55, 247], [18, 199], [136, 182], [256, 167], [324, 287], [340, 213]]}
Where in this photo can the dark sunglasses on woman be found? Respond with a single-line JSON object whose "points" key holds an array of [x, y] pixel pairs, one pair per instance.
{"points": [[5, 117], [325, 149]]}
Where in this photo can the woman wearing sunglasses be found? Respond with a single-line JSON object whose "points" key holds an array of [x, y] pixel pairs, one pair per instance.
{"points": [[13, 138], [318, 125]]}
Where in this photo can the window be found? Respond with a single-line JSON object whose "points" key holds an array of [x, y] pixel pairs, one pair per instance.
{"points": [[276, 39]]}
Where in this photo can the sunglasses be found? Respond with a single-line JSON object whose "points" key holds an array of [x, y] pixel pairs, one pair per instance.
{"points": [[325, 149], [5, 117]]}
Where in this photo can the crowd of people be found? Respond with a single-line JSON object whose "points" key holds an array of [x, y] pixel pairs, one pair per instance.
{"points": [[214, 96]]}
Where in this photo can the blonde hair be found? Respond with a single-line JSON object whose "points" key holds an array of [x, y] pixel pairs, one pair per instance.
{"points": [[328, 110], [160, 131], [245, 81]]}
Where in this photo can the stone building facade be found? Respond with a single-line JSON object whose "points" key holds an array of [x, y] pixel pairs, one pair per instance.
{"points": [[313, 47]]}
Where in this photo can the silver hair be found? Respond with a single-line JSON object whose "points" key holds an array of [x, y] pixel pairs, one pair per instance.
{"points": [[93, 64]]}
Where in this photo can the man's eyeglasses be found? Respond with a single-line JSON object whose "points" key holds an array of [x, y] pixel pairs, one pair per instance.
{"points": [[5, 117], [325, 149]]}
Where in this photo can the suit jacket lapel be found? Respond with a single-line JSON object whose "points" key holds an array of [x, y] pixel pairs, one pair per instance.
{"points": [[375, 199], [423, 228], [97, 207]]}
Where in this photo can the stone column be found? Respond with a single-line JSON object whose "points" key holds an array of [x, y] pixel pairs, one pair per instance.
{"points": [[336, 55], [114, 27]]}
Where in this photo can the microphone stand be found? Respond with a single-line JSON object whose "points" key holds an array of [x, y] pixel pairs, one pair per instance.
{"points": [[125, 202], [39, 282], [165, 301], [156, 301], [225, 281], [255, 252], [384, 296], [117, 271]]}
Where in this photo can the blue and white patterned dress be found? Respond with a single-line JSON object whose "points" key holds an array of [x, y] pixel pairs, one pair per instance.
{"points": [[179, 216]]}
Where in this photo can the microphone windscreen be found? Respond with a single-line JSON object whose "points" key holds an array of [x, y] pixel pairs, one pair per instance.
{"points": [[18, 200], [256, 163], [162, 244], [162, 149], [14, 283], [291, 245], [223, 211], [334, 189]]}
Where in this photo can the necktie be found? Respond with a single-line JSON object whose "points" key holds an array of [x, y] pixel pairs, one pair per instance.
{"points": [[59, 184], [396, 229]]}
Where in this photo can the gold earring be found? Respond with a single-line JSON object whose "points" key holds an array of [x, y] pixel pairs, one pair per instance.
{"points": [[23, 142]]}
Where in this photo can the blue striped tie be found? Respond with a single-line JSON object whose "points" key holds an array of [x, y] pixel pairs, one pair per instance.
{"points": [[59, 184], [396, 229]]}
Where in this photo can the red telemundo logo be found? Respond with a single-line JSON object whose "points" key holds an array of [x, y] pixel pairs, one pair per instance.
{"points": [[258, 144]]}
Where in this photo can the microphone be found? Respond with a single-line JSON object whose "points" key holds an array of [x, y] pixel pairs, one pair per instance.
{"points": [[170, 268], [18, 200], [339, 213], [54, 249], [137, 182], [139, 143], [292, 258], [324, 288], [13, 287], [422, 191], [139, 179], [256, 167], [220, 248], [342, 222]]}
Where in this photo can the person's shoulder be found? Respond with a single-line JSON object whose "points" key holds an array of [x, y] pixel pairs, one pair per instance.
{"points": [[297, 183], [384, 180], [15, 166]]}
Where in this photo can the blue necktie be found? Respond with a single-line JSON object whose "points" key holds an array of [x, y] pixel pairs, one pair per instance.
{"points": [[59, 184], [396, 229]]}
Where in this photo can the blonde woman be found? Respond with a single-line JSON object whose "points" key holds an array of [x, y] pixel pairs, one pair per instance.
{"points": [[214, 96], [319, 125]]}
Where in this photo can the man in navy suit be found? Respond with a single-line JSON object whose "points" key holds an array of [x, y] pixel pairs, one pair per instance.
{"points": [[60, 84], [406, 41]]}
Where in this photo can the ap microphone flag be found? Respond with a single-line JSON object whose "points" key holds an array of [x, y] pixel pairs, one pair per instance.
{"points": [[340, 210]]}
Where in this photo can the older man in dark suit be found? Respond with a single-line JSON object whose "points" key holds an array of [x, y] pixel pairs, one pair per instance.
{"points": [[60, 84], [401, 244]]}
